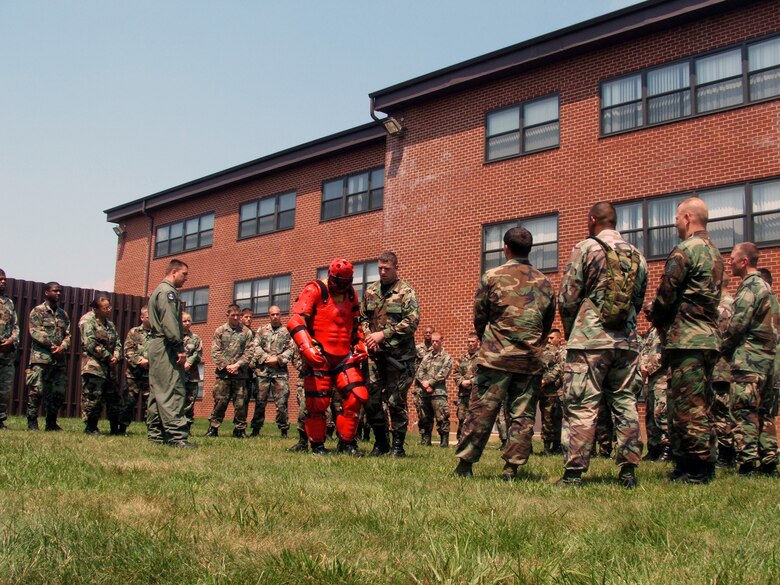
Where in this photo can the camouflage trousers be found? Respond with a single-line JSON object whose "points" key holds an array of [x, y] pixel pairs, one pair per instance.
{"points": [[95, 392], [754, 408], [191, 390], [656, 420], [7, 372], [388, 386], [689, 403], [605, 430], [437, 408], [552, 416], [424, 422], [588, 376], [225, 391], [493, 389], [501, 424], [47, 383], [136, 388], [722, 420], [279, 389], [330, 413], [461, 411]]}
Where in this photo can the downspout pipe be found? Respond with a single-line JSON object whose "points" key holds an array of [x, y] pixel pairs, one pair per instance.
{"points": [[148, 247]]}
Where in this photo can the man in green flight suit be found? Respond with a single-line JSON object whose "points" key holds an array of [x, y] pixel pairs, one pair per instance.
{"points": [[165, 418]]}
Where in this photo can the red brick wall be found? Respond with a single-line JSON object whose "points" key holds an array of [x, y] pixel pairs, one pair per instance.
{"points": [[439, 192]]}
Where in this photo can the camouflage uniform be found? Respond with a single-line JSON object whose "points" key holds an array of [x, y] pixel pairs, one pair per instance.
{"points": [[9, 329], [514, 309], [656, 420], [599, 362], [750, 345], [99, 343], [434, 369], [165, 418], [272, 380], [397, 314], [136, 376], [686, 308], [424, 422], [230, 346], [47, 376], [722, 421], [465, 371], [549, 398], [193, 347]]}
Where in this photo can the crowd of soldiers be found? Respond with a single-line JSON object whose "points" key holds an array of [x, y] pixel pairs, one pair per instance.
{"points": [[706, 367]]}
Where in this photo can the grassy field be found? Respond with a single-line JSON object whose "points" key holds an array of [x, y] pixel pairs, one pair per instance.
{"points": [[117, 510]]}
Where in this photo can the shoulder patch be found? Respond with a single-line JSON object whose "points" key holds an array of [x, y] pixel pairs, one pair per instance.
{"points": [[171, 296]]}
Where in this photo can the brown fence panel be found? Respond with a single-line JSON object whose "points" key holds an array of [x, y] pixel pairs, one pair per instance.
{"points": [[75, 302]]}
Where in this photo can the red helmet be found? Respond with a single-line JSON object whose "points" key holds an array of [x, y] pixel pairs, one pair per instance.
{"points": [[340, 274]]}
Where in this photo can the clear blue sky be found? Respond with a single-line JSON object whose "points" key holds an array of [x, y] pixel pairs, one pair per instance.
{"points": [[103, 102]]}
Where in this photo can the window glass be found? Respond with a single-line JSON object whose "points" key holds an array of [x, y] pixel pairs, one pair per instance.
{"points": [[620, 91], [503, 121], [540, 111]]}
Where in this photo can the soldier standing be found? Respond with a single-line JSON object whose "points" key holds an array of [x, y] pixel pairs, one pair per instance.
{"points": [[389, 314], [431, 379], [750, 345], [193, 347], [273, 351], [232, 348], [464, 379], [101, 352], [513, 312], [686, 309], [601, 293], [137, 371], [655, 374], [165, 418], [722, 419], [9, 343], [47, 376], [549, 397], [424, 424]]}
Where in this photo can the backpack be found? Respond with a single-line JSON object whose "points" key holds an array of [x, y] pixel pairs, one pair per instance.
{"points": [[622, 269]]}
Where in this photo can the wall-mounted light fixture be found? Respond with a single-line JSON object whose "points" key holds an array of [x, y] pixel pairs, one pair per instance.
{"points": [[120, 230], [392, 126]]}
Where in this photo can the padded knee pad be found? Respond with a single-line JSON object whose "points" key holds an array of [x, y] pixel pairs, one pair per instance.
{"points": [[350, 381], [347, 423]]}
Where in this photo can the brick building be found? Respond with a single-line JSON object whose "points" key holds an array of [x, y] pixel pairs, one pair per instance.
{"points": [[641, 107]]}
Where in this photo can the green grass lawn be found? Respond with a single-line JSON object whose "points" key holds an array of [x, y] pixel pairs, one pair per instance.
{"points": [[117, 510]]}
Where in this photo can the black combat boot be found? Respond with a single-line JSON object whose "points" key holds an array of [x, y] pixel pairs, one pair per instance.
{"points": [[366, 433], [509, 472], [212, 432], [726, 457], [329, 433], [349, 448], [700, 472], [283, 433], [570, 479], [626, 476], [770, 470], [32, 423], [398, 445], [51, 423], [666, 454], [425, 439], [91, 427], [239, 434], [463, 469], [444, 441], [653, 453], [319, 449], [302, 445], [255, 432], [381, 443]]}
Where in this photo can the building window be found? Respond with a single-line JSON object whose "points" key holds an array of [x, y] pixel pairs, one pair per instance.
{"points": [[528, 127], [366, 273], [698, 85], [544, 254], [262, 293], [353, 194], [196, 303], [184, 236], [737, 213], [266, 215]]}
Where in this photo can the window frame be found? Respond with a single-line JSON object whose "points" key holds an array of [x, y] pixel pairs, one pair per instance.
{"points": [[344, 179], [191, 308], [692, 87], [272, 299], [183, 222], [748, 217], [521, 129], [518, 223], [276, 214]]}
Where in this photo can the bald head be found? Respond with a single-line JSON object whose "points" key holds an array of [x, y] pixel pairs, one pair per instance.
{"points": [[691, 217], [602, 216]]}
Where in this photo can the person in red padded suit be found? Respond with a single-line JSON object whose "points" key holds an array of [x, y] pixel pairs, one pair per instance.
{"points": [[324, 325]]}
